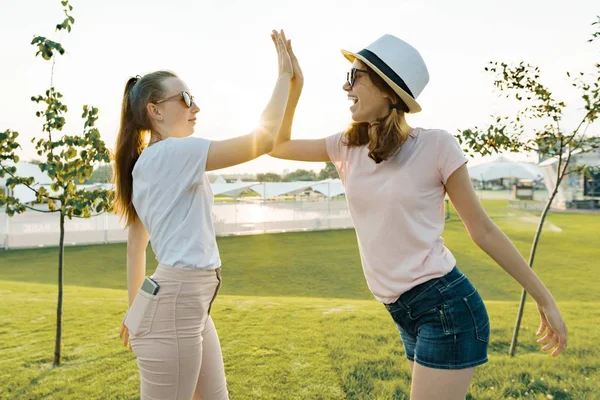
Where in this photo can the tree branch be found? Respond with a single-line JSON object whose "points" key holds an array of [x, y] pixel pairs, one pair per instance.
{"points": [[560, 154], [42, 211], [582, 121], [24, 184], [91, 215]]}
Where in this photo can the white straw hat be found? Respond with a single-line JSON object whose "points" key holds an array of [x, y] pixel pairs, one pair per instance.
{"points": [[399, 64]]}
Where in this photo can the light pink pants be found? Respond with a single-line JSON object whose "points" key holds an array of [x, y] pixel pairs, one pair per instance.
{"points": [[174, 339]]}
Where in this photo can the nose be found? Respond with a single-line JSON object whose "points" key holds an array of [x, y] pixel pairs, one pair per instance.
{"points": [[195, 108], [346, 86]]}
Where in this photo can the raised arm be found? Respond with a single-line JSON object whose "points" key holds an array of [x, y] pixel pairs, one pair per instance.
{"points": [[226, 153], [300, 150]]}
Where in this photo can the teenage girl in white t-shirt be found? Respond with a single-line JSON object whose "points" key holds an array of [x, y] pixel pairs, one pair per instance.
{"points": [[395, 179], [163, 193]]}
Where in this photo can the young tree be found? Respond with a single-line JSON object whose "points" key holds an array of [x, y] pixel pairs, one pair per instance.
{"points": [[553, 139], [67, 160]]}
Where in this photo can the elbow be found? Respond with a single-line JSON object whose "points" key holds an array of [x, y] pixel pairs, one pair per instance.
{"points": [[481, 235], [265, 142], [135, 248], [134, 252], [268, 145], [276, 150]]}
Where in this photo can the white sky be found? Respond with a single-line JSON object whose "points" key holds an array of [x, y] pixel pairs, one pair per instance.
{"points": [[223, 51]]}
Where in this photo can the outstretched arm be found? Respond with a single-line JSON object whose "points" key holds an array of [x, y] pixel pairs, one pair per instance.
{"points": [[486, 234]]}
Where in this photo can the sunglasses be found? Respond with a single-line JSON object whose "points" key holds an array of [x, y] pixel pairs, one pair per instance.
{"points": [[351, 76], [187, 98]]}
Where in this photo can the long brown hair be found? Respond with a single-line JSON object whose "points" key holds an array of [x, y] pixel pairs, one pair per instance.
{"points": [[386, 135], [131, 140]]}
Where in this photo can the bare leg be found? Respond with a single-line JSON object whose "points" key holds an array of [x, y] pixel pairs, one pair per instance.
{"points": [[440, 384]]}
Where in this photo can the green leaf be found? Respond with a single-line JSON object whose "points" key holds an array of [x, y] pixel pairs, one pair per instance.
{"points": [[71, 153]]}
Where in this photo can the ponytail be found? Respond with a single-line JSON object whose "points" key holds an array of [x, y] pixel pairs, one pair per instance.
{"points": [[131, 139]]}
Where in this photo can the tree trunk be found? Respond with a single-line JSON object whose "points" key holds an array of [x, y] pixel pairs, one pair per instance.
{"points": [[61, 252]]}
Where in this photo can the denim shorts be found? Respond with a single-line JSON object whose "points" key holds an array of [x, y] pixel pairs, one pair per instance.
{"points": [[443, 323]]}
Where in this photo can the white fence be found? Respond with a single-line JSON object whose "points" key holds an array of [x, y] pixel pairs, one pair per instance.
{"points": [[34, 229]]}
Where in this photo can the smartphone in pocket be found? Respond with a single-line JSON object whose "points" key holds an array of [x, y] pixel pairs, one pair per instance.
{"points": [[150, 286]]}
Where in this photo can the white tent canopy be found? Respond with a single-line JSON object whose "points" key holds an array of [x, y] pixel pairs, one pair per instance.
{"points": [[503, 168], [274, 189], [230, 189], [330, 187], [567, 192]]}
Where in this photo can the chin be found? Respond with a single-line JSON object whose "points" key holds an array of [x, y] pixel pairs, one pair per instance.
{"points": [[358, 118]]}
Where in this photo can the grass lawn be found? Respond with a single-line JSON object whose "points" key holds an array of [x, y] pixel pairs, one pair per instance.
{"points": [[296, 319]]}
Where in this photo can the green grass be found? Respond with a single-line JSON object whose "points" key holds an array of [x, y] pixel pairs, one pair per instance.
{"points": [[296, 320], [326, 264]]}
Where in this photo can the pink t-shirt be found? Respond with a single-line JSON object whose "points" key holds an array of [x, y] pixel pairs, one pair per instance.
{"points": [[397, 207]]}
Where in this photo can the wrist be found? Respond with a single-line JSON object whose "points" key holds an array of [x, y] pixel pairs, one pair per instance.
{"points": [[296, 88], [293, 98], [546, 302]]}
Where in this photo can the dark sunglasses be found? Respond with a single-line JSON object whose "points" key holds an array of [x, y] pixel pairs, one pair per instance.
{"points": [[188, 99], [351, 76]]}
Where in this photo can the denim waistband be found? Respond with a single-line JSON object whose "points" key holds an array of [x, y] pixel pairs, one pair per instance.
{"points": [[410, 296]]}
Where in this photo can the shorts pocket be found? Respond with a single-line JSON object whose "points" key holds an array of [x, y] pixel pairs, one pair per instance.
{"points": [[480, 316], [420, 313], [141, 313], [429, 302]]}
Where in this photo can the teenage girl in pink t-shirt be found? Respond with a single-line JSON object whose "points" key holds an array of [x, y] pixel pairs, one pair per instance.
{"points": [[395, 178]]}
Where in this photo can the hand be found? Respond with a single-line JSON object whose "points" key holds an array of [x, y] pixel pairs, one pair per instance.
{"points": [[284, 61], [125, 335], [298, 79], [555, 328]]}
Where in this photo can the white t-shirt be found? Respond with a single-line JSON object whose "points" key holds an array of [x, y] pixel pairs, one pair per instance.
{"points": [[397, 207], [173, 199]]}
